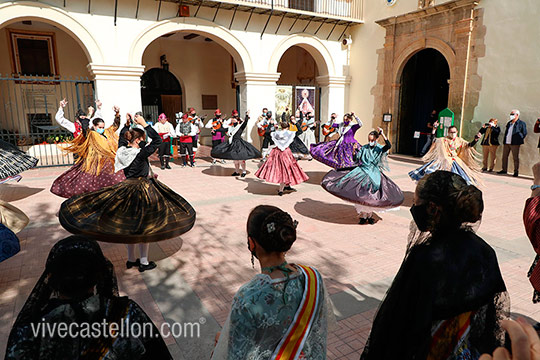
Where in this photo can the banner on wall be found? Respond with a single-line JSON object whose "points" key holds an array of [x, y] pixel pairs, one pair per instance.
{"points": [[305, 99], [284, 100]]}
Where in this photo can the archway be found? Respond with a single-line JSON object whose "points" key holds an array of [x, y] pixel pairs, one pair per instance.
{"points": [[424, 88], [298, 73], [42, 65], [160, 93]]}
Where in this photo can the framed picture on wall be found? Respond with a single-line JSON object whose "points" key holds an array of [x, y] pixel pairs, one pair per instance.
{"points": [[284, 100], [305, 99]]}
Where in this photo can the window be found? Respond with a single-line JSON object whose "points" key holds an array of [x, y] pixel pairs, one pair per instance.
{"points": [[39, 122], [209, 102], [33, 53]]}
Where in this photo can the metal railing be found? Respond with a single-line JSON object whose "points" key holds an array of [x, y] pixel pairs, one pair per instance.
{"points": [[28, 105]]}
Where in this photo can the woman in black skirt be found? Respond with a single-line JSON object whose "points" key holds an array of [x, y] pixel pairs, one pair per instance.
{"points": [[13, 162], [138, 210], [236, 148]]}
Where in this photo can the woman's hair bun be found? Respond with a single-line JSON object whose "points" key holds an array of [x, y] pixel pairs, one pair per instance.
{"points": [[278, 232], [469, 204]]}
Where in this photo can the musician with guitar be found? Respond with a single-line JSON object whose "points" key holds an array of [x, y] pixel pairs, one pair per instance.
{"points": [[218, 131], [329, 131], [265, 126], [308, 129], [198, 122]]}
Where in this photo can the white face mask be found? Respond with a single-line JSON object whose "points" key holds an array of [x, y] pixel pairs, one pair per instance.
{"points": [[372, 143], [512, 117], [492, 123]]}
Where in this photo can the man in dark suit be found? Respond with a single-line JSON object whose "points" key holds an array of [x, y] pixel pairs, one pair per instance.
{"points": [[514, 137]]}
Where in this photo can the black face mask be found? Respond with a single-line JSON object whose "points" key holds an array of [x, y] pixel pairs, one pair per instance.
{"points": [[420, 216], [333, 118], [218, 116]]}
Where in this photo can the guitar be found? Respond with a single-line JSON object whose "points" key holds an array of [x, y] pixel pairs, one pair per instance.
{"points": [[262, 130], [328, 129]]}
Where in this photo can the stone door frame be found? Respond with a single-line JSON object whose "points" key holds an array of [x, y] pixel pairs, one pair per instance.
{"points": [[455, 30]]}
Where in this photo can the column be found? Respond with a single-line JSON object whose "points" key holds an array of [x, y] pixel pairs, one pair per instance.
{"points": [[332, 95], [117, 85], [257, 91]]}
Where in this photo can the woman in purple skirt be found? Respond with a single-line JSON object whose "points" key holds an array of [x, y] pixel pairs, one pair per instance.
{"points": [[339, 153], [366, 185]]}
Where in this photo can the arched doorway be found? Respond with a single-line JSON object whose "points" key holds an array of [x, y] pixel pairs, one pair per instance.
{"points": [[160, 93], [424, 88], [41, 65], [298, 71]]}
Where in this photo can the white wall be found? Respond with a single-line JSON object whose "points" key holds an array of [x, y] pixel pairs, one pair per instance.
{"points": [[510, 70]]}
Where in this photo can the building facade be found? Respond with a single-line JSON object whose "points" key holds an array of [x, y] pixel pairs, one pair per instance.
{"points": [[399, 57]]}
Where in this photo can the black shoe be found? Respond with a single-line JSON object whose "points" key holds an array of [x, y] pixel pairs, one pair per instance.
{"points": [[130, 264], [371, 221], [288, 188], [490, 170], [362, 221], [235, 174], [280, 193], [243, 174], [501, 172], [168, 167], [516, 174], [484, 169], [151, 265]]}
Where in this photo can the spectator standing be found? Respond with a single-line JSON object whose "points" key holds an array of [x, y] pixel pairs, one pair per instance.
{"points": [[514, 137], [490, 143]]}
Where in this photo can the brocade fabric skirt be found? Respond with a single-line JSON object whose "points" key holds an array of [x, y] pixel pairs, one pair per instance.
{"points": [[133, 211]]}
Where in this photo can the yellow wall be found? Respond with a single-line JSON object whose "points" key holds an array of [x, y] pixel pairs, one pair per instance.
{"points": [[203, 68], [70, 57], [296, 67]]}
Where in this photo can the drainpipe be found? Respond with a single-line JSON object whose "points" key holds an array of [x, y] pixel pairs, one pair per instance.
{"points": [[466, 80]]}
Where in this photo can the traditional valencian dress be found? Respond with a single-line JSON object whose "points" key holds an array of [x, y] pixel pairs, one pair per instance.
{"points": [[446, 301], [281, 166], [94, 167], [366, 185], [297, 146], [13, 162], [136, 210], [12, 221], [338, 153], [455, 155], [264, 322], [98, 311], [236, 148]]}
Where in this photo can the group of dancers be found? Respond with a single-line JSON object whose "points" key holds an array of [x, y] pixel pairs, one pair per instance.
{"points": [[112, 194]]}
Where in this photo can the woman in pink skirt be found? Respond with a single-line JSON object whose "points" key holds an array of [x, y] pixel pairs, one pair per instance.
{"points": [[281, 166]]}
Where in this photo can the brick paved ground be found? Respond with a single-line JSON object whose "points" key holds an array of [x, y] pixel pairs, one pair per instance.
{"points": [[198, 274]]}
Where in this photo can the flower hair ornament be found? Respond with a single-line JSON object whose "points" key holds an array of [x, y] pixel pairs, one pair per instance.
{"points": [[271, 227]]}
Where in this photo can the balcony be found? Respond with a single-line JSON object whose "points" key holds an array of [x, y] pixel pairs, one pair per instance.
{"points": [[336, 12]]}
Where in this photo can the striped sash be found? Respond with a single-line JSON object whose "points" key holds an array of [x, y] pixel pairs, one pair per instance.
{"points": [[290, 346]]}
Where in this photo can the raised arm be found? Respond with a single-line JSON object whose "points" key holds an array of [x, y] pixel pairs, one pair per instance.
{"points": [[154, 145], [387, 143], [61, 120]]}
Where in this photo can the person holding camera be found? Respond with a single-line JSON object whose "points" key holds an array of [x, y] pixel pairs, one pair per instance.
{"points": [[490, 143]]}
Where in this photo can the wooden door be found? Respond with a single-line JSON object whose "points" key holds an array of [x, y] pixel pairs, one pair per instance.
{"points": [[171, 104]]}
